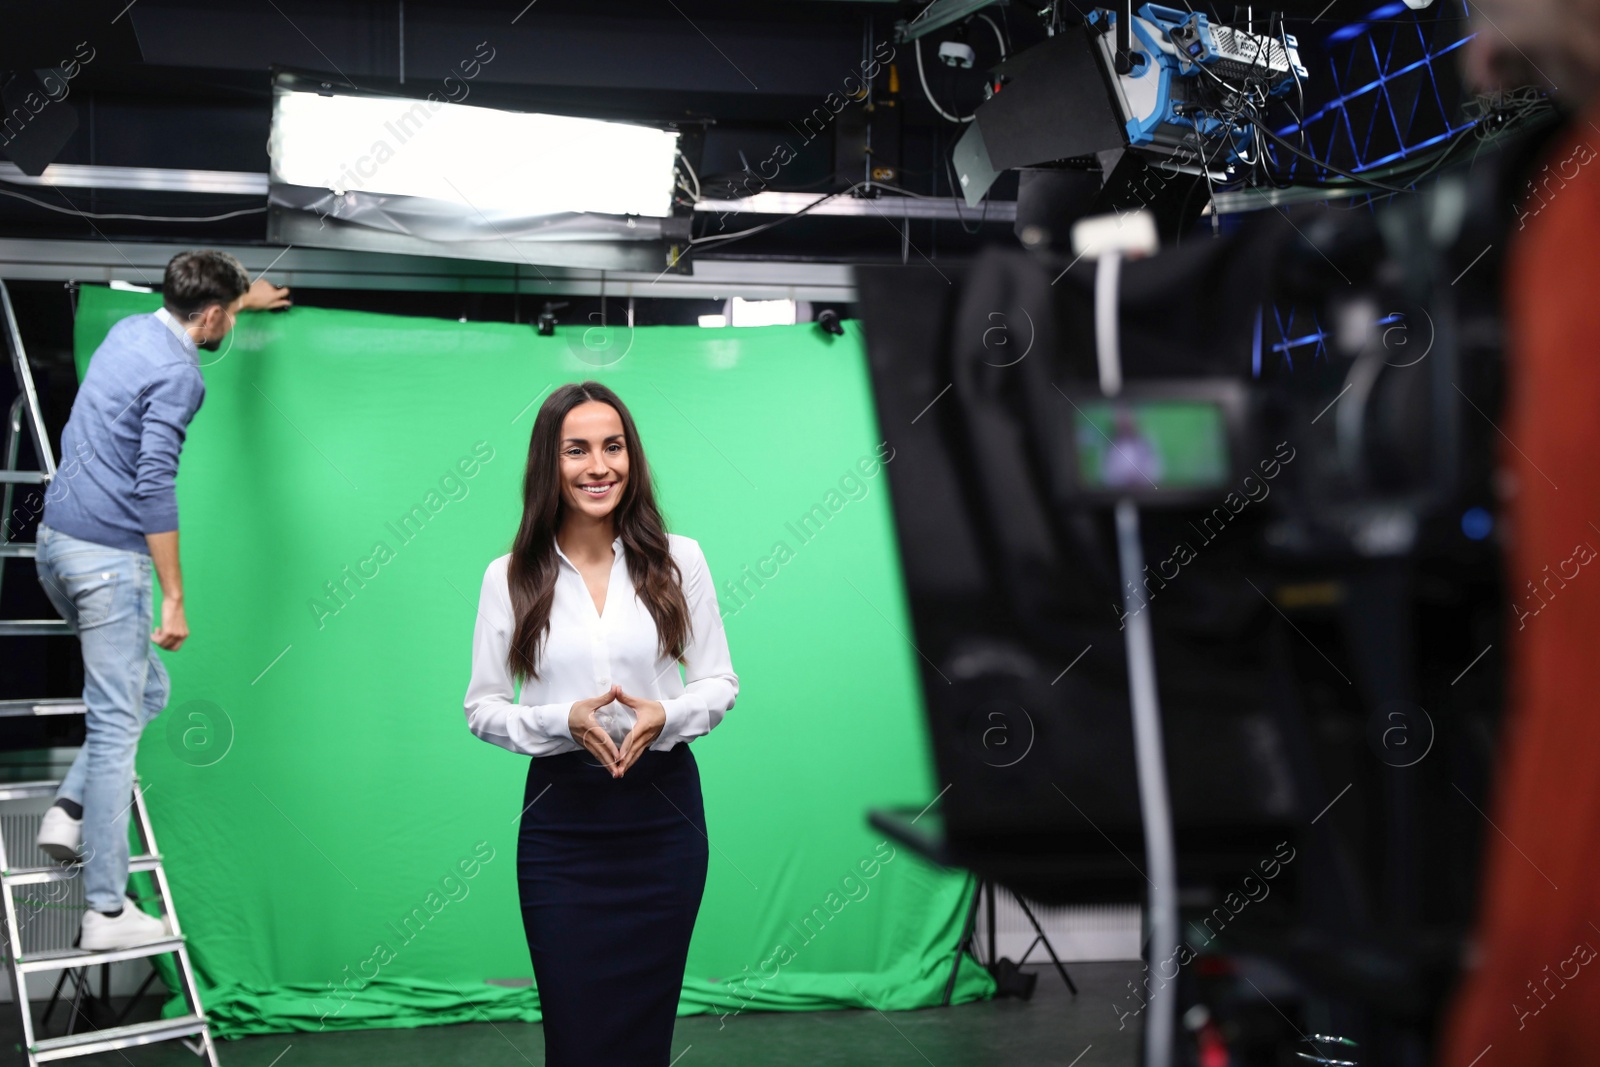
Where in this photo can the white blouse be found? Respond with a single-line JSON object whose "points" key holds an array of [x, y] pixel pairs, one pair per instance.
{"points": [[586, 651]]}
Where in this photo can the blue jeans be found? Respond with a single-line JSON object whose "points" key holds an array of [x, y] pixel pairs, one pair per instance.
{"points": [[105, 594]]}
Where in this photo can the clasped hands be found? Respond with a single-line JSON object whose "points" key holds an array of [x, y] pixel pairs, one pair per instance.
{"points": [[586, 730]]}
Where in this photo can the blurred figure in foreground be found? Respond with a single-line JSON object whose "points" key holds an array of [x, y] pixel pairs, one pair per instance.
{"points": [[1531, 991]]}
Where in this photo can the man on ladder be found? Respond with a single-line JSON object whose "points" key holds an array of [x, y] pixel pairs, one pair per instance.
{"points": [[101, 534]]}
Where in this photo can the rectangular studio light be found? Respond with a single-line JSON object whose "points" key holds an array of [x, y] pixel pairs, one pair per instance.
{"points": [[487, 160], [762, 312]]}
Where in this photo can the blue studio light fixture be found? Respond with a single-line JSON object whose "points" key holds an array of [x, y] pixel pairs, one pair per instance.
{"points": [[1357, 28]]}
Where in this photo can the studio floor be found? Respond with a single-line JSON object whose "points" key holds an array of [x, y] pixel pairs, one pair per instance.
{"points": [[1052, 1028]]}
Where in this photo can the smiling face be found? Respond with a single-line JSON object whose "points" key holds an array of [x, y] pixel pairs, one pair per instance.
{"points": [[593, 452]]}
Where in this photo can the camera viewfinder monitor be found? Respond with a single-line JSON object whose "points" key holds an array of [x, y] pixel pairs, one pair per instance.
{"points": [[1156, 445]]}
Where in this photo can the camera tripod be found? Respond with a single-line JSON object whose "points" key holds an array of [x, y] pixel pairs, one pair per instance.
{"points": [[1008, 976]]}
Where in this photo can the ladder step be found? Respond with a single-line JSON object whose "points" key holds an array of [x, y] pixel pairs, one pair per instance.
{"points": [[117, 1037], [66, 959], [22, 477], [61, 872], [19, 548], [21, 627], [43, 706], [30, 790]]}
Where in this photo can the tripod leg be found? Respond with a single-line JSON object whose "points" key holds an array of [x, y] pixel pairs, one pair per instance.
{"points": [[55, 997], [966, 936], [994, 944], [133, 1000], [80, 982], [1065, 977]]}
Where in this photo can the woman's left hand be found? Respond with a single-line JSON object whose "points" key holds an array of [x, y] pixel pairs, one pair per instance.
{"points": [[651, 717]]}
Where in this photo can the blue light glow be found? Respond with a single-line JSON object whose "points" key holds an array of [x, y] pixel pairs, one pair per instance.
{"points": [[1389, 100], [1356, 29], [1477, 523]]}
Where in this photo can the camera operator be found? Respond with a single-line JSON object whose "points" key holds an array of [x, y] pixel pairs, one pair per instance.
{"points": [[1527, 996]]}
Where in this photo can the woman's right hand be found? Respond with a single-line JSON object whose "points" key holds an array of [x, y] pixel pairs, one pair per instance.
{"points": [[587, 732]]}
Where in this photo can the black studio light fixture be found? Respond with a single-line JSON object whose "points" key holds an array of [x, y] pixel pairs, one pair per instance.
{"points": [[545, 324]]}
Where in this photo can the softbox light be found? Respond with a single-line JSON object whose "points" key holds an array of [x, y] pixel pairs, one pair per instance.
{"points": [[426, 176]]}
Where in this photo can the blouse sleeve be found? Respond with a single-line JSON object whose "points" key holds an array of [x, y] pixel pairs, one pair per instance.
{"points": [[711, 686], [492, 714]]}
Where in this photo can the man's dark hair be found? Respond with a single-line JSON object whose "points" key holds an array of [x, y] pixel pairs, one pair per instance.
{"points": [[195, 280]]}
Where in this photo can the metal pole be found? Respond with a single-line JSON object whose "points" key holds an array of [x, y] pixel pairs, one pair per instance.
{"points": [[1149, 745]]}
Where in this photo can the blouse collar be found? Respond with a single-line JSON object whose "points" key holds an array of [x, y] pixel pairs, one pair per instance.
{"points": [[616, 551]]}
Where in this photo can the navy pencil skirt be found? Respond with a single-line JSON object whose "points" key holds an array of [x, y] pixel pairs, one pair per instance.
{"points": [[610, 873]]}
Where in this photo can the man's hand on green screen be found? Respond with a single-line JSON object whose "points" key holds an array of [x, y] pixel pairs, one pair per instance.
{"points": [[264, 296]]}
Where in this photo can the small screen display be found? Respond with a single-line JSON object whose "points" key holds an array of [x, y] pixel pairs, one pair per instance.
{"points": [[1144, 445]]}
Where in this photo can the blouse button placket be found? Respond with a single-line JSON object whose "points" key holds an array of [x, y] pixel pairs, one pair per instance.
{"points": [[602, 654]]}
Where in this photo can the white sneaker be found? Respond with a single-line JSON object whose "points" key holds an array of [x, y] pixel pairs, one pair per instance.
{"points": [[132, 927], [60, 835]]}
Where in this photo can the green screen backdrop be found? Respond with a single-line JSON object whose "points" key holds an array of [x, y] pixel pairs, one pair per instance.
{"points": [[342, 850]]}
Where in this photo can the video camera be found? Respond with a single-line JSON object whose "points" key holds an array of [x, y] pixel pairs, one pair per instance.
{"points": [[1305, 427]]}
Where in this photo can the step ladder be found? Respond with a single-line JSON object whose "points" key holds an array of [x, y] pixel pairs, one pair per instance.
{"points": [[192, 1028], [25, 411]]}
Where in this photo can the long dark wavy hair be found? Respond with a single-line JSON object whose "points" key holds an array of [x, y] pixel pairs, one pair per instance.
{"points": [[531, 571]]}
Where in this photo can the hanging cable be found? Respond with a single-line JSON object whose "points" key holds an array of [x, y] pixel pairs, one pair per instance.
{"points": [[694, 194], [1280, 142], [138, 218], [741, 234], [1005, 50], [922, 76], [956, 198]]}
